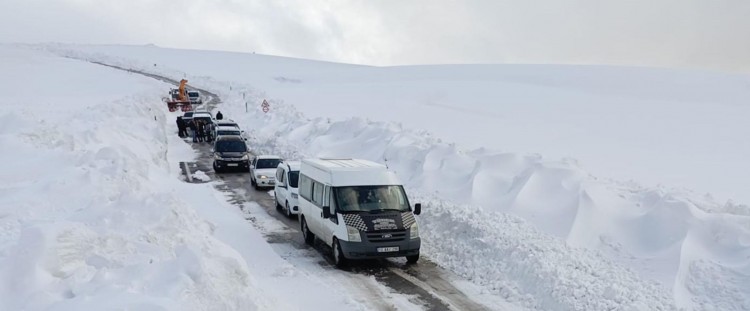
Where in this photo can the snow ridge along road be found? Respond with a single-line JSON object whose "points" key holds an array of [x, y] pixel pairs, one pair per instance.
{"points": [[426, 284], [562, 240]]}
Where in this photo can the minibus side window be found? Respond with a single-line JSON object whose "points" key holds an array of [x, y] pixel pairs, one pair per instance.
{"points": [[305, 187], [318, 193]]}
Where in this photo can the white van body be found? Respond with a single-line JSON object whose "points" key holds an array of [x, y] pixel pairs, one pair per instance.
{"points": [[370, 212], [286, 188]]}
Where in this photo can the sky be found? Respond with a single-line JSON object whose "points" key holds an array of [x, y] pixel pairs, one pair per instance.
{"points": [[709, 34]]}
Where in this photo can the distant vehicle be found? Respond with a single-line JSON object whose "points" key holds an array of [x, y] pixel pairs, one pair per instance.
{"points": [[203, 113], [178, 98], [227, 123], [230, 152], [263, 171], [228, 131], [195, 97], [187, 116], [357, 207], [286, 188]]}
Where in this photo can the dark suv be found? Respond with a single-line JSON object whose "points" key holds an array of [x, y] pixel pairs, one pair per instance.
{"points": [[230, 152]]}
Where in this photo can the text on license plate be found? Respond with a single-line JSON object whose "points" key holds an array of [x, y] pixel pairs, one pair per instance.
{"points": [[387, 249], [232, 164]]}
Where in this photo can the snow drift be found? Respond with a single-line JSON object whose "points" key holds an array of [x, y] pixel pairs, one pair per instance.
{"points": [[93, 213], [491, 215]]}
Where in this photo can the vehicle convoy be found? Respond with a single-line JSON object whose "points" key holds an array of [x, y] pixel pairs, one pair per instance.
{"points": [[286, 188], [263, 170], [357, 207], [179, 98], [230, 153]]}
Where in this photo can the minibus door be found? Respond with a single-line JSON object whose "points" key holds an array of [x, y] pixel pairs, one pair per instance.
{"points": [[328, 225]]}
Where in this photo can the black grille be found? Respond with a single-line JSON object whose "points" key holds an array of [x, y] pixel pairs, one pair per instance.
{"points": [[386, 236]]}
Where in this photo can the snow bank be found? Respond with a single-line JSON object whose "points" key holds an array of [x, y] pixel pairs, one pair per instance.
{"points": [[640, 124], [510, 206], [93, 217]]}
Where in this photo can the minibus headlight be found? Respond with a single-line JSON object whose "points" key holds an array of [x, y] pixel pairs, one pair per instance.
{"points": [[353, 234], [414, 231]]}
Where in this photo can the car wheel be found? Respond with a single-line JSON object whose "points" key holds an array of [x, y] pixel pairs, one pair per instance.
{"points": [[288, 211], [216, 169], [309, 236], [412, 259], [338, 255], [278, 206]]}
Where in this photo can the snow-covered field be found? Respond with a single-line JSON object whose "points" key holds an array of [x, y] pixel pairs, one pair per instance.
{"points": [[94, 216], [567, 231]]}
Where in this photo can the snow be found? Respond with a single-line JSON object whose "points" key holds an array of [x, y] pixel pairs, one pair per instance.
{"points": [[201, 175], [641, 124], [586, 227], [94, 216]]}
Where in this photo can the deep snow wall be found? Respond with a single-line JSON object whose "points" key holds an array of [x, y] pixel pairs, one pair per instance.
{"points": [[92, 215], [551, 236]]}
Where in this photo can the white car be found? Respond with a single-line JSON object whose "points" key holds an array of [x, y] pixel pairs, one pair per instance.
{"points": [[195, 97], [228, 131], [286, 188], [263, 171], [227, 123]]}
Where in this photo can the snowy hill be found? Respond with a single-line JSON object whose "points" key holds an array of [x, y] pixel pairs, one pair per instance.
{"points": [[582, 228]]}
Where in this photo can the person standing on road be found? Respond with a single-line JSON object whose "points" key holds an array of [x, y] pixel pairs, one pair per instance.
{"points": [[194, 130], [181, 127], [201, 131], [219, 116]]}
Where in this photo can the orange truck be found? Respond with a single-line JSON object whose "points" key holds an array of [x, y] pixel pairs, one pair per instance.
{"points": [[178, 98]]}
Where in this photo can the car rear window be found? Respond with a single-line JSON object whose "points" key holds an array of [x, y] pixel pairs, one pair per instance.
{"points": [[230, 146]]}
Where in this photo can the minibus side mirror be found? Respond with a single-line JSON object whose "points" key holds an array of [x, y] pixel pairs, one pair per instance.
{"points": [[326, 212], [417, 208]]}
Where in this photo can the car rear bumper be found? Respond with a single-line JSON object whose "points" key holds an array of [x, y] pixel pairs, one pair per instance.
{"points": [[228, 165]]}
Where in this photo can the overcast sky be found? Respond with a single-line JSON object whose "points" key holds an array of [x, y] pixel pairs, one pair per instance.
{"points": [[693, 33]]}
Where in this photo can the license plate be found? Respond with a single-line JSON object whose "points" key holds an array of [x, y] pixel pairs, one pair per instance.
{"points": [[387, 249], [232, 164]]}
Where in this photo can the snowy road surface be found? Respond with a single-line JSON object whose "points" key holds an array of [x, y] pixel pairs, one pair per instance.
{"points": [[391, 283]]}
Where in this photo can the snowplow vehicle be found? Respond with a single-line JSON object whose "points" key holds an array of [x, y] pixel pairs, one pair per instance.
{"points": [[178, 98]]}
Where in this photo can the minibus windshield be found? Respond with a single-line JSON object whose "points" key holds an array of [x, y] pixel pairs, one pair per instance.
{"points": [[371, 199]]}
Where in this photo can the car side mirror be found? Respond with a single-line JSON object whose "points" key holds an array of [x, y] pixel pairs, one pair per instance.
{"points": [[417, 208], [326, 212]]}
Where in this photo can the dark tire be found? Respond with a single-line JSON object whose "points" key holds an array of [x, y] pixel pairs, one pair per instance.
{"points": [[217, 170], [412, 259], [288, 211], [338, 255], [278, 206], [306, 234]]}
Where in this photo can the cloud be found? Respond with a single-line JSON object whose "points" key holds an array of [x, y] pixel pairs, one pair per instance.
{"points": [[676, 33]]}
